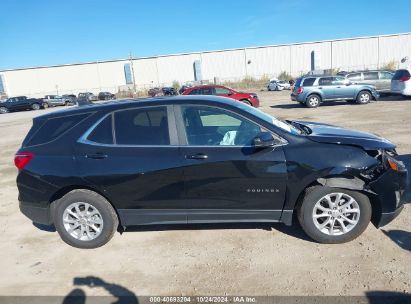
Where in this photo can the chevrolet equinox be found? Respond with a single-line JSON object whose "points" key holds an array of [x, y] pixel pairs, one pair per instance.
{"points": [[202, 159]]}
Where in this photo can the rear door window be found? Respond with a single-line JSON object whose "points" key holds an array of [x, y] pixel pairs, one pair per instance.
{"points": [[207, 91], [148, 126], [326, 81], [53, 128], [370, 75], [354, 77]]}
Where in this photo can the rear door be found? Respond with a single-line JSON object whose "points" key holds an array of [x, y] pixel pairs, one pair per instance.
{"points": [[132, 156], [372, 79], [326, 85], [225, 178], [384, 81]]}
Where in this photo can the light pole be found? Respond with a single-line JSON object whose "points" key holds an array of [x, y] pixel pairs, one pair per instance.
{"points": [[132, 73]]}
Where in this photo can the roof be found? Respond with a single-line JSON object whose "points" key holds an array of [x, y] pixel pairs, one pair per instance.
{"points": [[113, 105]]}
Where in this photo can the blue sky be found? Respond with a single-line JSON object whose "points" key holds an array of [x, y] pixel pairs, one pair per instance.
{"points": [[39, 32]]}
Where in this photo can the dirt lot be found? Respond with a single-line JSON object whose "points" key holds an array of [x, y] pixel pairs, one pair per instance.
{"points": [[213, 260]]}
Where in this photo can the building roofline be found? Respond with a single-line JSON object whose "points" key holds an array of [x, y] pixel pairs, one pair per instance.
{"points": [[204, 52]]}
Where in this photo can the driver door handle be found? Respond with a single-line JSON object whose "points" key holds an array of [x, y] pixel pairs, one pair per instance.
{"points": [[97, 156], [197, 156]]}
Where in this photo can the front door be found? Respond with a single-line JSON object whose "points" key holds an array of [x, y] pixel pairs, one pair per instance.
{"points": [[343, 88], [137, 166], [225, 177]]}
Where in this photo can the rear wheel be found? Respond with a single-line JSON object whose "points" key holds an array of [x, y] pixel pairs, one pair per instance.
{"points": [[35, 106], [3, 110], [334, 215], [313, 101], [85, 219], [363, 97], [45, 105]]}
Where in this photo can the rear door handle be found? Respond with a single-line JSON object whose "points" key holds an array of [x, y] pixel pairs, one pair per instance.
{"points": [[197, 156], [320, 88], [97, 156]]}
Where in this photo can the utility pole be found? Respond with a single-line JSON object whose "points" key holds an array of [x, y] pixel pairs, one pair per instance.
{"points": [[132, 73]]}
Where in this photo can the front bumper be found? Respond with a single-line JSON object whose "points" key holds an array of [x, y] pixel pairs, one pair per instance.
{"points": [[391, 190]]}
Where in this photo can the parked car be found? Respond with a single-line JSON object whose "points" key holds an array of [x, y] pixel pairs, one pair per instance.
{"points": [[54, 100], [20, 103], [169, 91], [247, 98], [278, 85], [201, 159], [380, 79], [153, 92], [88, 96], [401, 82], [183, 88], [313, 90], [106, 96], [70, 99]]}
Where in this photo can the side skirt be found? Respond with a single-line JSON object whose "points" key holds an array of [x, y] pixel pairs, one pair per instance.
{"points": [[131, 217]]}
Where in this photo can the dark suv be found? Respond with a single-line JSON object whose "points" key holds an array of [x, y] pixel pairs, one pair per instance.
{"points": [[202, 159]]}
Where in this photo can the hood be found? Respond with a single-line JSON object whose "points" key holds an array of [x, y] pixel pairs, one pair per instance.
{"points": [[325, 133]]}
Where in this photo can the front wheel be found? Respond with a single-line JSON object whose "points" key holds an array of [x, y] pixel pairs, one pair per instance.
{"points": [[85, 219], [334, 215], [247, 102], [363, 97]]}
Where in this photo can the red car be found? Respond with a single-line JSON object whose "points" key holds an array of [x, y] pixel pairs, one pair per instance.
{"points": [[218, 90]]}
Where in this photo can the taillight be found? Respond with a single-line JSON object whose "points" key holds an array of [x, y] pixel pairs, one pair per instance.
{"points": [[21, 159], [300, 90], [404, 78]]}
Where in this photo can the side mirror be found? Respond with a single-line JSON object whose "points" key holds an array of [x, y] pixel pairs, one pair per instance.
{"points": [[264, 140], [230, 93]]}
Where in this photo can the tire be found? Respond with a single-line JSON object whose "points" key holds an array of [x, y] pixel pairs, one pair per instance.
{"points": [[66, 103], [268, 89], [91, 237], [246, 102], [313, 101], [45, 105], [312, 226], [35, 106], [4, 110], [364, 97]]}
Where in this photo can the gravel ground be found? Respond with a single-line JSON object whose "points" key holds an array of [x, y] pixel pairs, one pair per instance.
{"points": [[213, 259]]}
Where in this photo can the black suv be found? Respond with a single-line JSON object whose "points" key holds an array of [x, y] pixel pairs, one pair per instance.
{"points": [[201, 159]]}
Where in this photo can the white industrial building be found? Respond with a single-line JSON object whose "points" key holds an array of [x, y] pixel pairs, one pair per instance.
{"points": [[226, 65]]}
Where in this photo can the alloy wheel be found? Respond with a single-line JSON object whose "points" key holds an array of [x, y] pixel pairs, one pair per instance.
{"points": [[3, 110], [364, 98], [82, 221], [336, 214], [313, 101]]}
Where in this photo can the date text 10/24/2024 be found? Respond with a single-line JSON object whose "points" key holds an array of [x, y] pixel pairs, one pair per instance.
{"points": [[203, 299]]}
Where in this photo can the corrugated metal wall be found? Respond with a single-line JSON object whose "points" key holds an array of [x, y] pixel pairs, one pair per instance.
{"points": [[228, 65]]}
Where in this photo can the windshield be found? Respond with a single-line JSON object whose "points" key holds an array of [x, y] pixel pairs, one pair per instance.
{"points": [[270, 119]]}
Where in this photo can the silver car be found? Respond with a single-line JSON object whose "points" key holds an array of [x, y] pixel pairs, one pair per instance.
{"points": [[278, 85], [380, 79]]}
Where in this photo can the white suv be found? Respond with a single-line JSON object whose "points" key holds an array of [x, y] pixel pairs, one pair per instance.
{"points": [[401, 82]]}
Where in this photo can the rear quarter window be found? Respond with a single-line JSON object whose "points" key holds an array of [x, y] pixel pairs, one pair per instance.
{"points": [[308, 82], [52, 128]]}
